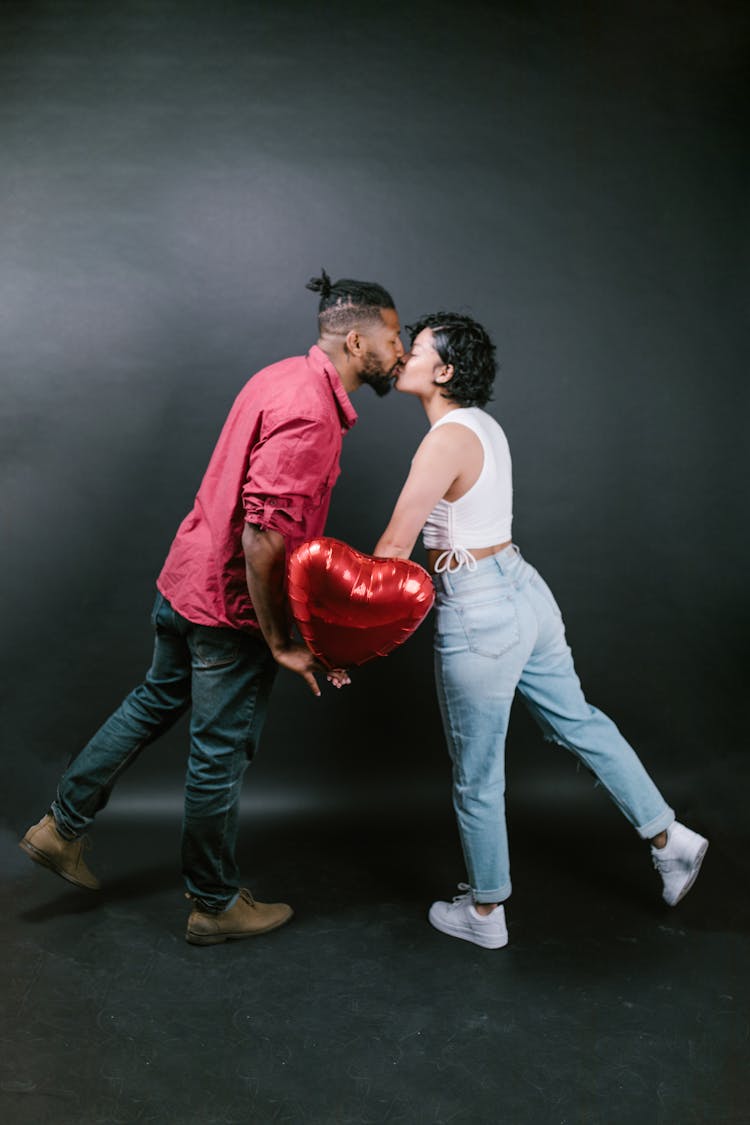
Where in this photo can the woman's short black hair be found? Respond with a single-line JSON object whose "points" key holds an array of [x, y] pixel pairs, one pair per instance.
{"points": [[460, 341], [346, 303]]}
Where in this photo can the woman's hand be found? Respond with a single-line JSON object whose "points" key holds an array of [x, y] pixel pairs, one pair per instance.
{"points": [[297, 658], [339, 677]]}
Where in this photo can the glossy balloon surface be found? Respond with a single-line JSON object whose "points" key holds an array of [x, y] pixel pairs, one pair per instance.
{"points": [[352, 607]]}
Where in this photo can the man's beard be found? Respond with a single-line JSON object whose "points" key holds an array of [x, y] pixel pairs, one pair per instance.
{"points": [[373, 374]]}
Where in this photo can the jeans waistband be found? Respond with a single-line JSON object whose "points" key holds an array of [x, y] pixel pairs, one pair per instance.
{"points": [[505, 561]]}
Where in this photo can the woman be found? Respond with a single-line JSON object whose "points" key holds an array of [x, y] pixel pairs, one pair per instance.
{"points": [[498, 629]]}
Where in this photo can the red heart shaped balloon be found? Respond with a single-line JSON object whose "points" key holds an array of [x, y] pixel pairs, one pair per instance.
{"points": [[352, 607]]}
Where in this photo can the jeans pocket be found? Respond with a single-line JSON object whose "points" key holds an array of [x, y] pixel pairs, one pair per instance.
{"points": [[491, 628], [214, 647], [161, 606]]}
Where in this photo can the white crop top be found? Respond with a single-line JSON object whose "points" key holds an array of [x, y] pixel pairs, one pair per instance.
{"points": [[481, 517]]}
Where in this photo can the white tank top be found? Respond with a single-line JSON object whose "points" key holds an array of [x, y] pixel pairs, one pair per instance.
{"points": [[481, 517]]}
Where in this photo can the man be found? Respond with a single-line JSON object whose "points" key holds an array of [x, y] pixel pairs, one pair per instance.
{"points": [[221, 617]]}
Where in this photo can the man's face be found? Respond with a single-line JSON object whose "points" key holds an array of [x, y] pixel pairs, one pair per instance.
{"points": [[382, 352]]}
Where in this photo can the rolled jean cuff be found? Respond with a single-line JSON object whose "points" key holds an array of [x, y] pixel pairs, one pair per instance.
{"points": [[213, 907], [61, 825], [499, 895], [659, 824]]}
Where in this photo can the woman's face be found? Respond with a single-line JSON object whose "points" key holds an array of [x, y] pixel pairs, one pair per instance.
{"points": [[420, 366]]}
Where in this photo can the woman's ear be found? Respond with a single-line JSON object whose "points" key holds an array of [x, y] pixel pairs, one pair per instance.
{"points": [[445, 375]]}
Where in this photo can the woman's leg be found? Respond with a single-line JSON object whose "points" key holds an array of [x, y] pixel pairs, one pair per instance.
{"points": [[484, 633], [552, 692]]}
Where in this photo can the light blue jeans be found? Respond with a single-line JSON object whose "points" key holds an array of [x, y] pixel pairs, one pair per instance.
{"points": [[498, 628]]}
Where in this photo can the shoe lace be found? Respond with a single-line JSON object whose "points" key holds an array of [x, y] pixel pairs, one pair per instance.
{"points": [[664, 865], [466, 896]]}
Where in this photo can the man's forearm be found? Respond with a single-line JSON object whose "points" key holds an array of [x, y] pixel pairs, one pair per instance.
{"points": [[265, 571]]}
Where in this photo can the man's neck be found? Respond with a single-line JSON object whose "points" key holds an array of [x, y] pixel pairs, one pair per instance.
{"points": [[333, 348]]}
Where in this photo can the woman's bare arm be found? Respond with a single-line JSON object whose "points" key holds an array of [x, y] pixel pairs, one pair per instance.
{"points": [[436, 466]]}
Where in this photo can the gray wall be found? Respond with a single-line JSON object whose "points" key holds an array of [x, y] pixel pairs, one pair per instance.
{"points": [[574, 175]]}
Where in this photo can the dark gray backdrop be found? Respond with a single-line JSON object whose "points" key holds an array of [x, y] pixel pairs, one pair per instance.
{"points": [[574, 175]]}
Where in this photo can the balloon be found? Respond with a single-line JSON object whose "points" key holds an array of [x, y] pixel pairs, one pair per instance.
{"points": [[351, 607]]}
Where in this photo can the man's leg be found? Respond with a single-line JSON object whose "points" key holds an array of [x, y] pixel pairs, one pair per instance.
{"points": [[232, 676], [150, 710], [85, 786]]}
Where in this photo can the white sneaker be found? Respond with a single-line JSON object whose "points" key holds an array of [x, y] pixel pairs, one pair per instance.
{"points": [[679, 861], [461, 920]]}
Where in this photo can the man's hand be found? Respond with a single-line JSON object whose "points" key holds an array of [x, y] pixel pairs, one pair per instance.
{"points": [[298, 658], [265, 565]]}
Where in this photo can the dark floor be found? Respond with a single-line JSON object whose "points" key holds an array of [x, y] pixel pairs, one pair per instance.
{"points": [[607, 1007]]}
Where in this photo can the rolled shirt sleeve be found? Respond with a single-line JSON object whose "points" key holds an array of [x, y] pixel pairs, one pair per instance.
{"points": [[291, 472]]}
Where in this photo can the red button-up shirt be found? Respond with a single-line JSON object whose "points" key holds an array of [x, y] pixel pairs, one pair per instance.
{"points": [[274, 465]]}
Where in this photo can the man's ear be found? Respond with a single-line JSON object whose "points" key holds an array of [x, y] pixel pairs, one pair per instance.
{"points": [[353, 343]]}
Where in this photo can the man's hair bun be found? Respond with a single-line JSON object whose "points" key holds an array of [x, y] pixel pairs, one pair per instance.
{"points": [[322, 284], [346, 303]]}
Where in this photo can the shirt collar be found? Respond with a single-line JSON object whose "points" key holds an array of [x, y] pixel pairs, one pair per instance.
{"points": [[322, 365]]}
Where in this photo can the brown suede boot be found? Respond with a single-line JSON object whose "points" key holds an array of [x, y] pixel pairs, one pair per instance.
{"points": [[44, 844], [245, 919]]}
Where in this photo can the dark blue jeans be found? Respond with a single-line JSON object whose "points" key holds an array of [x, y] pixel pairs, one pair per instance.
{"points": [[226, 675]]}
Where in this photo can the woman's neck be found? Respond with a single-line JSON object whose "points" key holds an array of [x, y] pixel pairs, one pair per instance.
{"points": [[437, 406]]}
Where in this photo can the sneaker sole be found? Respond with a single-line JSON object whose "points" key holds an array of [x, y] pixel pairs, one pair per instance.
{"points": [[216, 939], [459, 932], [45, 861], [693, 874]]}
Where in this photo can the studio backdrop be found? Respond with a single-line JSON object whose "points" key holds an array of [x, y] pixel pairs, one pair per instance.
{"points": [[173, 173]]}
